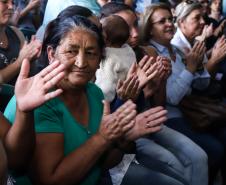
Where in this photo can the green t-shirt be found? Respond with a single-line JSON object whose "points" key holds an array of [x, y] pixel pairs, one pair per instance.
{"points": [[54, 117]]}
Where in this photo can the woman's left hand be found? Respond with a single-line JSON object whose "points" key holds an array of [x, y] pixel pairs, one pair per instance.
{"points": [[167, 67], [34, 91]]}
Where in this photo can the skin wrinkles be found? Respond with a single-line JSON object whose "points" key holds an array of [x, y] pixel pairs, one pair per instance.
{"points": [[78, 52]]}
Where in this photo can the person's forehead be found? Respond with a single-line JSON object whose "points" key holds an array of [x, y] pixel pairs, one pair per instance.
{"points": [[79, 35], [128, 16]]}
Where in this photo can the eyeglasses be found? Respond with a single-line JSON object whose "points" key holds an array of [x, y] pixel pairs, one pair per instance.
{"points": [[164, 21]]}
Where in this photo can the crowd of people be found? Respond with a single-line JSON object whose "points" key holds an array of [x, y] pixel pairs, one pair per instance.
{"points": [[94, 92]]}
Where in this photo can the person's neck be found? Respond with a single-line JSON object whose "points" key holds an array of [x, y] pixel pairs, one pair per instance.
{"points": [[215, 15], [73, 95]]}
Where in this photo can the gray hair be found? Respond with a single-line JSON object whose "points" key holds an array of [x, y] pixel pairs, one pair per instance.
{"points": [[185, 8]]}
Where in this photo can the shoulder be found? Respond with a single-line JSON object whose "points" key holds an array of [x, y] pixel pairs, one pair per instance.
{"points": [[19, 34], [95, 91], [149, 50]]}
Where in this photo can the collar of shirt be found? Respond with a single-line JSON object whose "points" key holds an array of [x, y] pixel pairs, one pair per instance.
{"points": [[179, 35], [162, 50]]}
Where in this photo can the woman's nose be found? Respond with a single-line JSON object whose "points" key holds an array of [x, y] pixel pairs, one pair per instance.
{"points": [[10, 5], [80, 60]]}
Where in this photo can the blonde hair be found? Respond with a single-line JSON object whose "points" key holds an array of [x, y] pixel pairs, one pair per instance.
{"points": [[145, 24]]}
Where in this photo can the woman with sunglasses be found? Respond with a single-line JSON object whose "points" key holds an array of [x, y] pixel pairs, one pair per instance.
{"points": [[161, 151]]}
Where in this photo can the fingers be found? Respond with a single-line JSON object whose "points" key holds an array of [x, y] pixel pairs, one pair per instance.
{"points": [[148, 64], [132, 86], [150, 130], [119, 84], [128, 127], [132, 69], [49, 68], [53, 81], [127, 114], [133, 90], [25, 68], [157, 115], [126, 107], [153, 111], [53, 94], [107, 109], [143, 61], [52, 71]]}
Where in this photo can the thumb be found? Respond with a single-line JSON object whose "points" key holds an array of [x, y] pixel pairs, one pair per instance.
{"points": [[107, 109], [119, 84], [25, 68]]}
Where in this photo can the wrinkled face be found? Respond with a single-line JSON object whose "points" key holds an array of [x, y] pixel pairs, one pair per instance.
{"points": [[162, 27], [80, 53], [215, 5], [6, 10], [193, 24], [131, 20]]}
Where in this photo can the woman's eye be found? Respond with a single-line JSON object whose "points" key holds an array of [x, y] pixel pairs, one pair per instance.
{"points": [[91, 53], [72, 51]]}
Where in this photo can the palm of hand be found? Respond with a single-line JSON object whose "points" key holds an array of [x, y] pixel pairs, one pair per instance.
{"points": [[30, 93], [34, 91]]}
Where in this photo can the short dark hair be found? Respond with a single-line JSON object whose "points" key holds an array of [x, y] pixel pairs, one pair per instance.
{"points": [[114, 7], [116, 29]]}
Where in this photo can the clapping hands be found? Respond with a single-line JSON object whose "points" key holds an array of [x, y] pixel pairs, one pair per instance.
{"points": [[115, 125]]}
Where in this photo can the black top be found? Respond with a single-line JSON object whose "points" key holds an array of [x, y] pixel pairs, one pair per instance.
{"points": [[9, 55]]}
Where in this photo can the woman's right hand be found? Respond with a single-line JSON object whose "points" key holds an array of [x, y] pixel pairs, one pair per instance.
{"points": [[115, 125], [195, 57], [34, 91]]}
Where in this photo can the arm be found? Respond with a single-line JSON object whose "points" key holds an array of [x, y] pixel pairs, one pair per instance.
{"points": [[33, 4], [3, 164], [179, 82], [178, 85], [156, 87], [19, 139], [51, 166], [29, 51], [217, 55]]}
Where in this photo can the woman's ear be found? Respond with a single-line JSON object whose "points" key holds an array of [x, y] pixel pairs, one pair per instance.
{"points": [[50, 53]]}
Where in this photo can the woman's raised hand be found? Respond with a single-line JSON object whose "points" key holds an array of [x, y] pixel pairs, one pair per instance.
{"points": [[115, 125], [34, 91]]}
